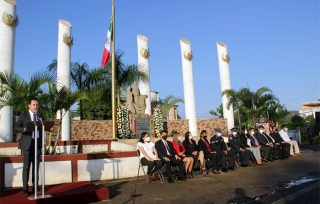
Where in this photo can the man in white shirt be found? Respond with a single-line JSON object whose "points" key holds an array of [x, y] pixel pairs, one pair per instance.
{"points": [[284, 135]]}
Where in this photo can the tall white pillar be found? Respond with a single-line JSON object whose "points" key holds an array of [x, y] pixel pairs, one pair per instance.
{"points": [[223, 59], [143, 65], [188, 85], [63, 71], [8, 24]]}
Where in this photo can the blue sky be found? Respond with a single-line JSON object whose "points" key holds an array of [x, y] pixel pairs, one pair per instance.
{"points": [[271, 43]]}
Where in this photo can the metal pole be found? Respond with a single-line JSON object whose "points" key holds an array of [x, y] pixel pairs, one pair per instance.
{"points": [[35, 159], [113, 84], [42, 164]]}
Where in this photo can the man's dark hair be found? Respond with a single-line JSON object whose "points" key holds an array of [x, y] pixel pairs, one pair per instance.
{"points": [[251, 128], [261, 126], [32, 99], [162, 131], [284, 125], [202, 131]]}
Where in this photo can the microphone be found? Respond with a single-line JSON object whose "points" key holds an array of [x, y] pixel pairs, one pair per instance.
{"points": [[39, 116]]}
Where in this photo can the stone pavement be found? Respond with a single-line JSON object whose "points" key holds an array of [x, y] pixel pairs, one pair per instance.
{"points": [[266, 184]]}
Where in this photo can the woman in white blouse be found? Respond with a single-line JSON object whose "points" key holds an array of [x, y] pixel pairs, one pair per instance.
{"points": [[149, 155]]}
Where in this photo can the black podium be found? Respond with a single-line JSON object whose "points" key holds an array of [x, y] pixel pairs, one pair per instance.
{"points": [[39, 126]]}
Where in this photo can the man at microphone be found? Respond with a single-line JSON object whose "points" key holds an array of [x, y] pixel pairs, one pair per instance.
{"points": [[27, 142]]}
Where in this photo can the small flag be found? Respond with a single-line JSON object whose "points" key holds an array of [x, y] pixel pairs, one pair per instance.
{"points": [[106, 50]]}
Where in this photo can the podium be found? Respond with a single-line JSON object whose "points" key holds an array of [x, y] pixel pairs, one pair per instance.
{"points": [[39, 126]]}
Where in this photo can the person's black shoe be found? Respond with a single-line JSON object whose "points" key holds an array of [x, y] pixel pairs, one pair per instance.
{"points": [[244, 165], [232, 168], [215, 172], [265, 160], [182, 179], [25, 193], [281, 158], [170, 180], [271, 160], [225, 170]]}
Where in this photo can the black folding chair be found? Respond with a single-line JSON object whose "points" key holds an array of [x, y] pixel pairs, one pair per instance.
{"points": [[158, 173]]}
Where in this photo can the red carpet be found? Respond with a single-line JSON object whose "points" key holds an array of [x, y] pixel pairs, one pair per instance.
{"points": [[79, 192]]}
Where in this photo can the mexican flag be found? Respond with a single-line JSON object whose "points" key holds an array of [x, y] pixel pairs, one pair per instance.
{"points": [[106, 50]]}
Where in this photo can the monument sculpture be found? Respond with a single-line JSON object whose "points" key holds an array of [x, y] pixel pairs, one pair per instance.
{"points": [[135, 102]]}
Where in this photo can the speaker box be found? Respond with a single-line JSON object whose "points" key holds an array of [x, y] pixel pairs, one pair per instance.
{"points": [[317, 119]]}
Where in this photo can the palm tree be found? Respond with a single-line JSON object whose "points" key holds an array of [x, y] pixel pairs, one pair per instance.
{"points": [[218, 112], [167, 103], [126, 74], [276, 112], [80, 75], [15, 91], [252, 104], [60, 99]]}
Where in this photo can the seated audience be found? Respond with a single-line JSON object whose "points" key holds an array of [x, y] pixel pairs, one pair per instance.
{"points": [[249, 144], [204, 146], [179, 148], [192, 150], [285, 147], [263, 149], [169, 156], [294, 150], [217, 144], [266, 142], [237, 147], [149, 156]]}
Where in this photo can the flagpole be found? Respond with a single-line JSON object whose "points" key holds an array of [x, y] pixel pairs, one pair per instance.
{"points": [[113, 83]]}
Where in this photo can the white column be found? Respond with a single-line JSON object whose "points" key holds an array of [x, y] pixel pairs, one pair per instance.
{"points": [[63, 70], [8, 25], [143, 65], [223, 59], [188, 85]]}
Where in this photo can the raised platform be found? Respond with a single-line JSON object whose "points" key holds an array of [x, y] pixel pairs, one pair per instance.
{"points": [[78, 192]]}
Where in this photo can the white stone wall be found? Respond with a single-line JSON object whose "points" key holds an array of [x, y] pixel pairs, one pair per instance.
{"points": [[55, 173], [88, 170], [111, 168]]}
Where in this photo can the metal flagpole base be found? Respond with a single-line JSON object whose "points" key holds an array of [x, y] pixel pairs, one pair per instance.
{"points": [[39, 197]]}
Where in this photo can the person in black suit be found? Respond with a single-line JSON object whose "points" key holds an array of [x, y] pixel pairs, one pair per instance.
{"points": [[238, 147], [192, 150], [267, 141], [204, 146], [169, 156], [217, 144], [285, 147], [27, 142]]}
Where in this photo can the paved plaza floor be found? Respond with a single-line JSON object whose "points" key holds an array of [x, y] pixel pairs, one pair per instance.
{"points": [[273, 182]]}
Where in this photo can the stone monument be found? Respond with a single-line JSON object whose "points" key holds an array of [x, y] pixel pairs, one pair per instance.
{"points": [[135, 102]]}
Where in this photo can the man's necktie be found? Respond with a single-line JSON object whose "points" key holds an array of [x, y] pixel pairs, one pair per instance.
{"points": [[167, 147], [34, 117]]}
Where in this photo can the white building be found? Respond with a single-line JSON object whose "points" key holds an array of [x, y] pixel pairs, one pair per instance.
{"points": [[309, 108]]}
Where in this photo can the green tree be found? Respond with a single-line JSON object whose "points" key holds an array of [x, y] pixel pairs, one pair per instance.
{"points": [[218, 112], [16, 92], [248, 103], [126, 74], [167, 103]]}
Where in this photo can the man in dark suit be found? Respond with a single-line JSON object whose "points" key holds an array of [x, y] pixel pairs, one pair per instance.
{"points": [[27, 143], [217, 144], [169, 156], [285, 147], [267, 141], [238, 147]]}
